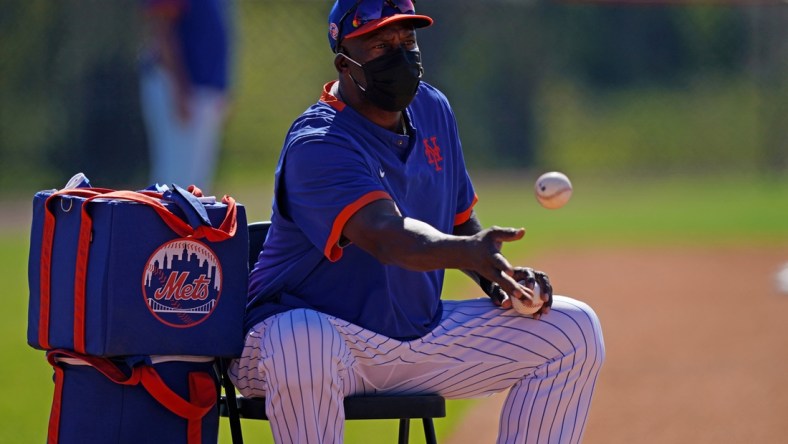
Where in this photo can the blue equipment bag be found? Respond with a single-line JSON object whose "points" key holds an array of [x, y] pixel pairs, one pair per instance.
{"points": [[115, 273], [147, 400]]}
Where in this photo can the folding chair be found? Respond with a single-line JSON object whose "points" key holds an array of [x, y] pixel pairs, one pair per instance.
{"points": [[403, 408]]}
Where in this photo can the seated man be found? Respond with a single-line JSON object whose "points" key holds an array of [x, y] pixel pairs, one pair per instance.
{"points": [[372, 203]]}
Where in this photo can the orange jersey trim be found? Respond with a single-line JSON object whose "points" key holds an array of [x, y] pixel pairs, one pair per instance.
{"points": [[465, 215], [333, 251], [331, 99]]}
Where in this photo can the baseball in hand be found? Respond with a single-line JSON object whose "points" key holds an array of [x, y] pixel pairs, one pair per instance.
{"points": [[553, 190], [525, 306]]}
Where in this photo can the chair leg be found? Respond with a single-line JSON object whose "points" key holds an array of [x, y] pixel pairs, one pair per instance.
{"points": [[232, 406], [429, 431], [404, 430]]}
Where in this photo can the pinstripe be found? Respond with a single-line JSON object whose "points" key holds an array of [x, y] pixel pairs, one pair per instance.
{"points": [[302, 402], [574, 386], [335, 419], [551, 390], [549, 367], [561, 394], [592, 379], [323, 369], [517, 406], [587, 405], [530, 393], [270, 400], [586, 380], [589, 383], [285, 374], [305, 383]]}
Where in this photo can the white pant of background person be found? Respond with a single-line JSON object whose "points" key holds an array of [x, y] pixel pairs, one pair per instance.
{"points": [[305, 362], [184, 153]]}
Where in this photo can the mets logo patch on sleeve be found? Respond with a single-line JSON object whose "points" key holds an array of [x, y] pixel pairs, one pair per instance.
{"points": [[182, 283]]}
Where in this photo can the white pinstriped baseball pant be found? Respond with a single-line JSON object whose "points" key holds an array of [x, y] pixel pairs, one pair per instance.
{"points": [[304, 363]]}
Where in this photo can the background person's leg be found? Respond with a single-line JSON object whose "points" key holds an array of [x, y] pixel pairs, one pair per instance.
{"points": [[202, 139], [161, 125]]}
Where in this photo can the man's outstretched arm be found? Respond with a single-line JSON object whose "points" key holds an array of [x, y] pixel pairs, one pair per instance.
{"points": [[380, 229]]}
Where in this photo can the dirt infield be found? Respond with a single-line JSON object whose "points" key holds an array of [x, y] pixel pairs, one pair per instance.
{"points": [[697, 345]]}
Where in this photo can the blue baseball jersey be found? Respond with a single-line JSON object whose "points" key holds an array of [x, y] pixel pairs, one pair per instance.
{"points": [[334, 162], [203, 35]]}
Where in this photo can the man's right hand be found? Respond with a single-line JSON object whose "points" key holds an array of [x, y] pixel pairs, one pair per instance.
{"points": [[490, 263]]}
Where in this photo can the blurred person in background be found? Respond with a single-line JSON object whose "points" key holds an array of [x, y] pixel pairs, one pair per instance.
{"points": [[184, 87]]}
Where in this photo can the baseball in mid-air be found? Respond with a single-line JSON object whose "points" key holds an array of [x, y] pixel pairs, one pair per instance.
{"points": [[553, 190], [527, 307], [781, 279]]}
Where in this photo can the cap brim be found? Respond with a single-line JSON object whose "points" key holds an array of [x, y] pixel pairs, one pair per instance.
{"points": [[419, 21]]}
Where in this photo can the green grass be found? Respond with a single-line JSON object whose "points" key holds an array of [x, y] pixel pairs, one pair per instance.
{"points": [[713, 123], [25, 377], [602, 212]]}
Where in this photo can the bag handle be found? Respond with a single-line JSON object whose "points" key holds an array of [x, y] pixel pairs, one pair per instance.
{"points": [[47, 239], [225, 231], [202, 392], [202, 399], [103, 365]]}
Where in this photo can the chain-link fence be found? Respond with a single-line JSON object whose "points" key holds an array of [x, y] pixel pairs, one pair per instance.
{"points": [[534, 84]]}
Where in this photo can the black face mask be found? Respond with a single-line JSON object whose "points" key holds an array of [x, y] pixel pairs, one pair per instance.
{"points": [[392, 79]]}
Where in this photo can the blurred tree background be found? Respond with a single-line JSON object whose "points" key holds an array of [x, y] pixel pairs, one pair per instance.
{"points": [[602, 88]]}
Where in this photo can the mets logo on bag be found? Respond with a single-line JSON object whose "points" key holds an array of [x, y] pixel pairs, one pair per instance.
{"points": [[182, 283]]}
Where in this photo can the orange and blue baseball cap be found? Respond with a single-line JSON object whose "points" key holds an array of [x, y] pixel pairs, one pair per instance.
{"points": [[352, 18]]}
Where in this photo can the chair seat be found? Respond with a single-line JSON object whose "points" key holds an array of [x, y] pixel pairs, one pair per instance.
{"points": [[359, 407]]}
